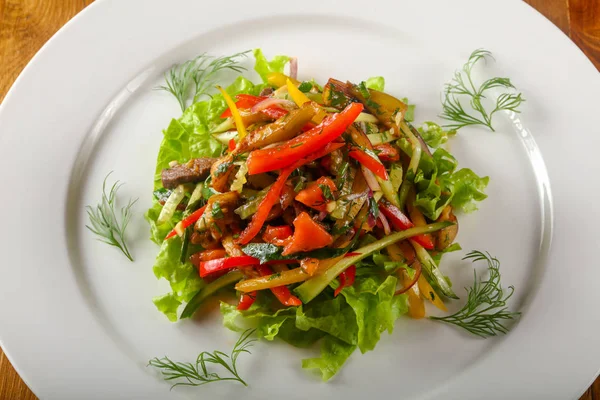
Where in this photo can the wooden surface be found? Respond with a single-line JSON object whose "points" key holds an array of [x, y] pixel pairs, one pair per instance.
{"points": [[25, 25]]}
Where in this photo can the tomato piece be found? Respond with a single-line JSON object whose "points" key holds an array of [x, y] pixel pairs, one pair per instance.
{"points": [[313, 196], [308, 235]]}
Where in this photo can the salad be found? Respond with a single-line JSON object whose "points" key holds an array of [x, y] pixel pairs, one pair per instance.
{"points": [[318, 212]]}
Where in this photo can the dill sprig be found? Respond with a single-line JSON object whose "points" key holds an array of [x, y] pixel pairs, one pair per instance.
{"points": [[104, 220], [485, 312], [197, 374], [462, 85], [196, 76]]}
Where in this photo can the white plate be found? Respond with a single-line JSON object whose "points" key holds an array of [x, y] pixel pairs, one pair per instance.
{"points": [[76, 318]]}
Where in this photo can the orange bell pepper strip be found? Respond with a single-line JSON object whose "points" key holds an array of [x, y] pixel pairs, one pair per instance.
{"points": [[287, 153], [427, 292], [401, 222], [312, 196], [187, 221], [272, 196], [282, 293], [246, 300], [308, 235], [370, 162]]}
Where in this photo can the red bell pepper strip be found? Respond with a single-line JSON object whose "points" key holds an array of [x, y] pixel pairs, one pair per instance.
{"points": [[207, 255], [231, 145], [402, 222], [272, 197], [187, 221], [313, 196], [246, 101], [346, 279], [370, 162], [246, 300], [287, 153], [387, 152], [274, 112], [282, 293], [208, 267]]}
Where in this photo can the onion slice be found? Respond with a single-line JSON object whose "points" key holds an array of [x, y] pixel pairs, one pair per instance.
{"points": [[271, 101], [293, 67], [385, 223], [370, 178], [417, 267]]}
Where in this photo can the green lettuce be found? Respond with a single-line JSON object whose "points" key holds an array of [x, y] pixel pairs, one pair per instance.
{"points": [[334, 353], [376, 308], [264, 66], [183, 278], [376, 83], [189, 136], [433, 134], [333, 316]]}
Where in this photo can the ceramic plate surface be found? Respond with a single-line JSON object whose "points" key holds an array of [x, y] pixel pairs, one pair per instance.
{"points": [[76, 318]]}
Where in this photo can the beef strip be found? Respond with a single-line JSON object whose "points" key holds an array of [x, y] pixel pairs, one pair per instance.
{"points": [[195, 170]]}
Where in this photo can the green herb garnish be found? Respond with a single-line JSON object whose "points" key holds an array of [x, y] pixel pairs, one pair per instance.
{"points": [[196, 76], [305, 87], [197, 374], [485, 311], [216, 211], [326, 192], [104, 221], [462, 85]]}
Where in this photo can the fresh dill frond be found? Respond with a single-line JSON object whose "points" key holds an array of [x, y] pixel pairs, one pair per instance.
{"points": [[104, 220], [485, 312], [197, 374], [462, 85], [194, 77]]}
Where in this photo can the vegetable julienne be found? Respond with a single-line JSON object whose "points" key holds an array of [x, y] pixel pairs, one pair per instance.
{"points": [[322, 206]]}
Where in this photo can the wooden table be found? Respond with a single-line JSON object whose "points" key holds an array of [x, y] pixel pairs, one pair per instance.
{"points": [[25, 25]]}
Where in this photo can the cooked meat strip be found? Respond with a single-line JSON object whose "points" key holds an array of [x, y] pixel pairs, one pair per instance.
{"points": [[195, 170]]}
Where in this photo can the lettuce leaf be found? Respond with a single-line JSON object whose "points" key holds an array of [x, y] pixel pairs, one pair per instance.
{"points": [[376, 308], [189, 136], [331, 316], [183, 278], [376, 83], [433, 134], [334, 353], [264, 66], [468, 188]]}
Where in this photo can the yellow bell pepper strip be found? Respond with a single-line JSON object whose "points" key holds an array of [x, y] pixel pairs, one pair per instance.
{"points": [[239, 124], [416, 304], [312, 287], [282, 278], [300, 98], [278, 79], [427, 292], [282, 293]]}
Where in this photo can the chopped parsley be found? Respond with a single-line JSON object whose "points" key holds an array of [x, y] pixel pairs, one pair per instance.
{"points": [[216, 211], [305, 87], [326, 192]]}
